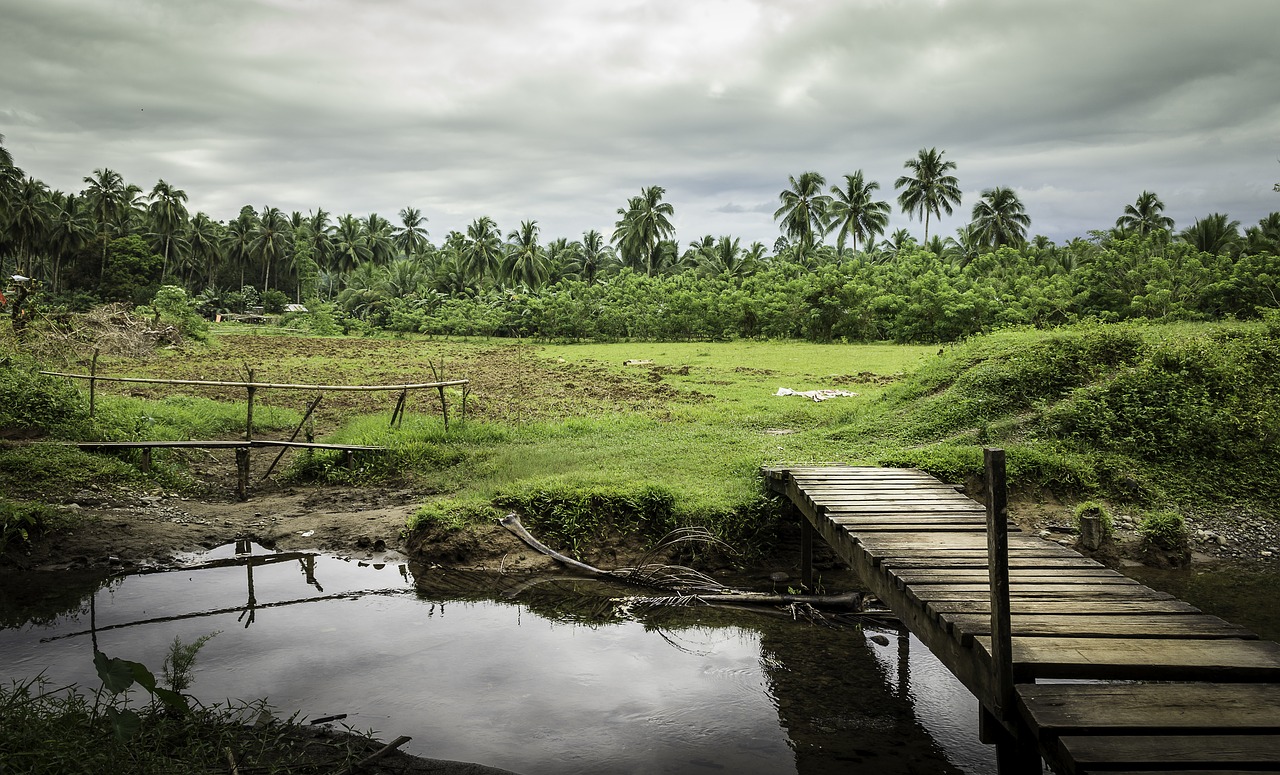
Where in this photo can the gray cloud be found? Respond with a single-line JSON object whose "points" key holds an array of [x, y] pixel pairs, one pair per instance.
{"points": [[558, 111]]}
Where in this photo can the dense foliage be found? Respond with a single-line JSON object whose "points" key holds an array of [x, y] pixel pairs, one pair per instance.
{"points": [[113, 242]]}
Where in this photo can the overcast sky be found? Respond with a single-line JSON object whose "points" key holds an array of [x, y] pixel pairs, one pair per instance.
{"points": [[558, 110]]}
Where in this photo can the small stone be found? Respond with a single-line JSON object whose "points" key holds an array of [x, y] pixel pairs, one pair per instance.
{"points": [[878, 638], [1266, 553]]}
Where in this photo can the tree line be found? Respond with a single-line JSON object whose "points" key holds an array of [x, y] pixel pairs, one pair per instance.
{"points": [[834, 271]]}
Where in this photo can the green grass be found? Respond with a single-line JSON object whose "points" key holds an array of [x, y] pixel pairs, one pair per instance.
{"points": [[1161, 415]]}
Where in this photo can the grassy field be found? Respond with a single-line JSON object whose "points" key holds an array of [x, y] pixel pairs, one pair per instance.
{"points": [[581, 436]]}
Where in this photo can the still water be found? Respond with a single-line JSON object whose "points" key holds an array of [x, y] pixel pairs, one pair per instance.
{"points": [[526, 677]]}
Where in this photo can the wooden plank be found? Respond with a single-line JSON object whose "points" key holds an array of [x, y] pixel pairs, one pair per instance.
{"points": [[965, 575], [1201, 626], [1189, 751], [926, 593], [1145, 658], [933, 562], [859, 505], [1030, 605], [1146, 708], [941, 527]]}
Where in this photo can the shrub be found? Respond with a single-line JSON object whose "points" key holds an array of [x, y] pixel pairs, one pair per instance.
{"points": [[34, 405], [20, 522], [1164, 529]]}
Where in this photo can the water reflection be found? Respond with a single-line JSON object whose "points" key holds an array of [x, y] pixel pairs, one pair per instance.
{"points": [[537, 678]]}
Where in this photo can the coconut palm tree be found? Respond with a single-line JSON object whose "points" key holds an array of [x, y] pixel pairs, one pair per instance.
{"points": [[1000, 219], [1144, 217], [350, 245], [381, 241], [30, 211], [411, 236], [239, 237], [204, 245], [597, 257], [640, 232], [168, 216], [1265, 237], [108, 197], [70, 229], [726, 258], [1214, 234], [804, 210], [271, 241], [482, 254], [929, 189], [855, 212], [525, 261]]}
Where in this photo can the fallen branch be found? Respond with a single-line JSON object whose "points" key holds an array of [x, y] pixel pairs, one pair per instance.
{"points": [[691, 586], [373, 757]]}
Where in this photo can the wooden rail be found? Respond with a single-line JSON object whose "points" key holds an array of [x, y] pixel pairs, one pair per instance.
{"points": [[1200, 693]]}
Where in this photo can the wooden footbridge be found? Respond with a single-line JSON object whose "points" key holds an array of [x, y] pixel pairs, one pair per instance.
{"points": [[1072, 663]]}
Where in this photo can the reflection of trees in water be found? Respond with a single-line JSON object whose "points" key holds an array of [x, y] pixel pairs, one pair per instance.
{"points": [[40, 599], [837, 707]]}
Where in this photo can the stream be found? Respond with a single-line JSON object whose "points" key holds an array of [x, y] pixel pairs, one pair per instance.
{"points": [[533, 677]]}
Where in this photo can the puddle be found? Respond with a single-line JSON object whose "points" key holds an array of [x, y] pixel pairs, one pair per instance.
{"points": [[535, 683]]}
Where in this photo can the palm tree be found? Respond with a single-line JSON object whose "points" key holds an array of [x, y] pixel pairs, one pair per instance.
{"points": [[1265, 237], [525, 261], [270, 241], [318, 233], [30, 211], [381, 243], [999, 218], [596, 256], [350, 245], [70, 229], [168, 213], [804, 210], [929, 189], [239, 237], [411, 236], [107, 196], [726, 258], [1143, 216], [204, 245], [855, 213], [482, 255], [564, 260], [1214, 234], [645, 224]]}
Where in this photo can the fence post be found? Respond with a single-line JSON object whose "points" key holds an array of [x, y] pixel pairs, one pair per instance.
{"points": [[93, 382], [248, 421]]}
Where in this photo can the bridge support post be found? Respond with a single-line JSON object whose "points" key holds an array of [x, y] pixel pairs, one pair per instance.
{"points": [[806, 553], [242, 473], [1016, 749]]}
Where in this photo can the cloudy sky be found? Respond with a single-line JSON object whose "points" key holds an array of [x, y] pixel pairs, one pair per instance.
{"points": [[558, 110]]}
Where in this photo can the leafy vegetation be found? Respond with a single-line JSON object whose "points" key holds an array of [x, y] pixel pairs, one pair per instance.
{"points": [[1164, 529], [113, 242]]}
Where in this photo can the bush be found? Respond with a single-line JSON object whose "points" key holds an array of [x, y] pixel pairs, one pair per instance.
{"points": [[33, 405], [274, 301], [20, 522], [1164, 529]]}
